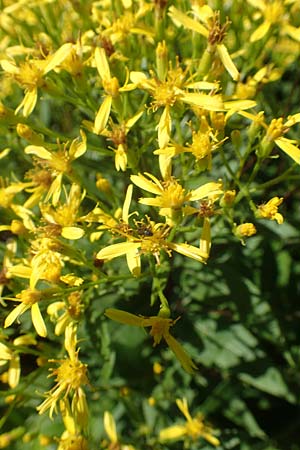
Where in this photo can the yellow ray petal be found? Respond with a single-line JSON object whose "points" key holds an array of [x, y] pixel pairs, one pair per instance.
{"points": [[205, 101], [124, 317], [102, 64], [260, 32], [189, 250], [39, 151], [58, 57], [174, 432], [179, 18], [227, 62], [110, 427], [134, 262], [72, 232], [38, 321], [164, 128], [291, 150], [115, 250], [208, 189], [103, 115], [180, 354], [14, 372], [149, 186], [15, 313]]}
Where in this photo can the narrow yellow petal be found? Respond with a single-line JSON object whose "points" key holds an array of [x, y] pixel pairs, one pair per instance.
{"points": [[38, 321], [115, 250], [205, 101], [184, 408], [29, 102], [164, 128], [4, 152], [260, 32], [19, 271], [204, 85], [238, 105], [9, 67], [15, 313], [179, 18], [130, 122], [110, 427], [295, 118], [78, 147], [126, 206], [58, 57], [124, 317], [134, 262], [137, 77], [39, 151], [180, 354], [291, 31], [72, 232], [211, 439], [103, 114], [227, 62], [102, 64], [189, 250], [14, 372], [5, 352], [147, 185], [174, 432], [291, 150], [208, 189]]}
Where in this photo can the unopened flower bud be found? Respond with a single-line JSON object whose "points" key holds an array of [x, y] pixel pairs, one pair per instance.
{"points": [[161, 60]]}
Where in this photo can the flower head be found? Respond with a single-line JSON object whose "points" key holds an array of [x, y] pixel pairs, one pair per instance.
{"points": [[194, 428], [71, 376], [30, 75], [269, 210], [28, 299], [111, 431], [160, 329]]}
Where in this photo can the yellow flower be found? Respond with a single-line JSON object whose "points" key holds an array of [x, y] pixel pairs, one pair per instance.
{"points": [[30, 75], [173, 90], [204, 142], [160, 327], [194, 428], [118, 29], [71, 375], [117, 135], [144, 238], [111, 431], [170, 195], [63, 313], [275, 12], [111, 87], [212, 30], [63, 219], [29, 299], [245, 229], [7, 193], [269, 210], [11, 354], [275, 134], [71, 439], [58, 162]]}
